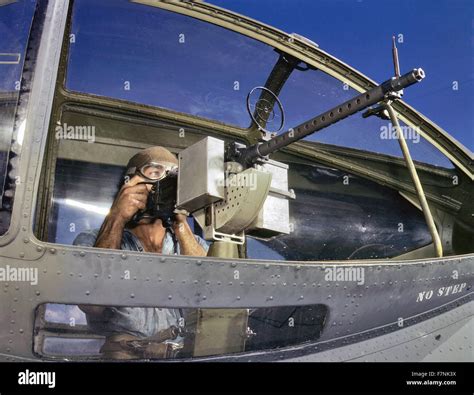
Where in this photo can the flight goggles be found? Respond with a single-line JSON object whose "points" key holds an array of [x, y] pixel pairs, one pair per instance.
{"points": [[154, 171]]}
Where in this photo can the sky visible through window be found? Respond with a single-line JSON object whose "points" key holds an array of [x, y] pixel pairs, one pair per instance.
{"points": [[148, 55], [435, 35]]}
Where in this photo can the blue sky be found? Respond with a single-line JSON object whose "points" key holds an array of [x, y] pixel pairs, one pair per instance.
{"points": [[437, 36]]}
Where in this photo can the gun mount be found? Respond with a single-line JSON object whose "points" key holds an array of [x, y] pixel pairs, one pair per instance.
{"points": [[232, 190]]}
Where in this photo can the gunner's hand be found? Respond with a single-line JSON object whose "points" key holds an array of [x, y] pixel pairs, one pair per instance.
{"points": [[131, 198]]}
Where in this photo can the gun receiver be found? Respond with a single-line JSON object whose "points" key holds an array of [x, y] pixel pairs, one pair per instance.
{"points": [[247, 156]]}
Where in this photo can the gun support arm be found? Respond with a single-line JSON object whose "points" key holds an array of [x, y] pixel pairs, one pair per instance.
{"points": [[416, 181]]}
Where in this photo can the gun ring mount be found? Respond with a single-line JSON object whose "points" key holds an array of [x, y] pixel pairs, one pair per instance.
{"points": [[263, 111]]}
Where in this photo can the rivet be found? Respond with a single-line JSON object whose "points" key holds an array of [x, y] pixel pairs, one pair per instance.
{"points": [[52, 250], [88, 293], [204, 297], [132, 295], [170, 297], [58, 272], [123, 256], [22, 254], [270, 298], [37, 293], [238, 298], [39, 249], [96, 275], [199, 263], [267, 266], [82, 254], [26, 241], [21, 331], [162, 259]]}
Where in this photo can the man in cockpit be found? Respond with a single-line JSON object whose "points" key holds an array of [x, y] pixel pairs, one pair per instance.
{"points": [[140, 332]]}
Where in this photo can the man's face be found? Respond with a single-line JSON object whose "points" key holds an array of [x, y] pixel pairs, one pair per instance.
{"points": [[153, 171], [156, 171]]}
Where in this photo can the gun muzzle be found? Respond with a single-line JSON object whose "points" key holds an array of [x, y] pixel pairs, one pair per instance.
{"points": [[398, 83]]}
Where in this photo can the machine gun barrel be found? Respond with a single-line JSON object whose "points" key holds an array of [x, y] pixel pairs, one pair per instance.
{"points": [[252, 154]]}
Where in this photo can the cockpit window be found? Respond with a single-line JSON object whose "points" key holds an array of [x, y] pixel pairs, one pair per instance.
{"points": [[15, 22], [79, 333], [148, 55], [376, 221], [156, 57]]}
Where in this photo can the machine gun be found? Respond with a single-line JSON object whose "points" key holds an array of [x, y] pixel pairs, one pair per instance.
{"points": [[233, 190]]}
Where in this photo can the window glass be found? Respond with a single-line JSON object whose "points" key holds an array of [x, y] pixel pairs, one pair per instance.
{"points": [[147, 55], [338, 216], [144, 54], [161, 333], [76, 207], [15, 21]]}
